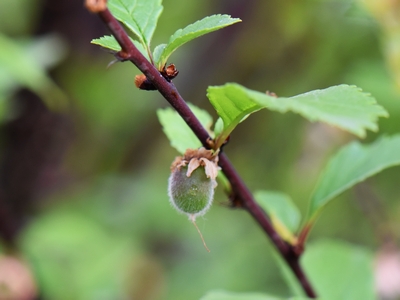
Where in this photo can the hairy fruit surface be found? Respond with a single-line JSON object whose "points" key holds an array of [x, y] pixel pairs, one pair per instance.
{"points": [[191, 195], [192, 182]]}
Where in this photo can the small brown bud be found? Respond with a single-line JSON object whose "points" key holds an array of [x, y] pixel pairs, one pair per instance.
{"points": [[96, 6], [143, 83], [272, 94], [170, 72]]}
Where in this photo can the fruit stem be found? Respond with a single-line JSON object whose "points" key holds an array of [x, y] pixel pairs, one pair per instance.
{"points": [[192, 218]]}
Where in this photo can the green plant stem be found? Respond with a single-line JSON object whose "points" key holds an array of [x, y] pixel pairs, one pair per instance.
{"points": [[241, 192]]}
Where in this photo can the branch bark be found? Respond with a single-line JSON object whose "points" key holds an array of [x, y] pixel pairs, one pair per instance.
{"points": [[240, 190]]}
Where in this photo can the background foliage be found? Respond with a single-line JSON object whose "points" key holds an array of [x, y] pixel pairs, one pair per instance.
{"points": [[86, 174]]}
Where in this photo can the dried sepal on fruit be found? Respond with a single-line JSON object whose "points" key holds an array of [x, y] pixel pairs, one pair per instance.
{"points": [[192, 182]]}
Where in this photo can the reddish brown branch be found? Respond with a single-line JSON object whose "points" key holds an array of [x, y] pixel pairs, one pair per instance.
{"points": [[241, 192]]}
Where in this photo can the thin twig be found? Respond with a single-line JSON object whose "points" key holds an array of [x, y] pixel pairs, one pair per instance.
{"points": [[171, 94]]}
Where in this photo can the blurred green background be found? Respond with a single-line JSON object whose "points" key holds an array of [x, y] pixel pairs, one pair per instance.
{"points": [[84, 161]]}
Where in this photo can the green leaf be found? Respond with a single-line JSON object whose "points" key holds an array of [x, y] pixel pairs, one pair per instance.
{"points": [[339, 270], [158, 51], [218, 127], [224, 182], [192, 31], [284, 214], [224, 295], [109, 42], [344, 106], [74, 257], [233, 104], [178, 132], [24, 64], [352, 164], [139, 16]]}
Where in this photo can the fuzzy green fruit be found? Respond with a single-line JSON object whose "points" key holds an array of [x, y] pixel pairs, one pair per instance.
{"points": [[191, 195], [192, 182]]}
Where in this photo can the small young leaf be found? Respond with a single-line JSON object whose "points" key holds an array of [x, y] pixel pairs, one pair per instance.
{"points": [[232, 104], [192, 31], [218, 127], [225, 295], [178, 132], [109, 42], [140, 16], [340, 271], [158, 51], [352, 164], [284, 214], [344, 106]]}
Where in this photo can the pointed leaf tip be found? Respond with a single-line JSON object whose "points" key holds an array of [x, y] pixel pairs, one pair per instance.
{"points": [[109, 42], [353, 164], [343, 106], [192, 31], [139, 16]]}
